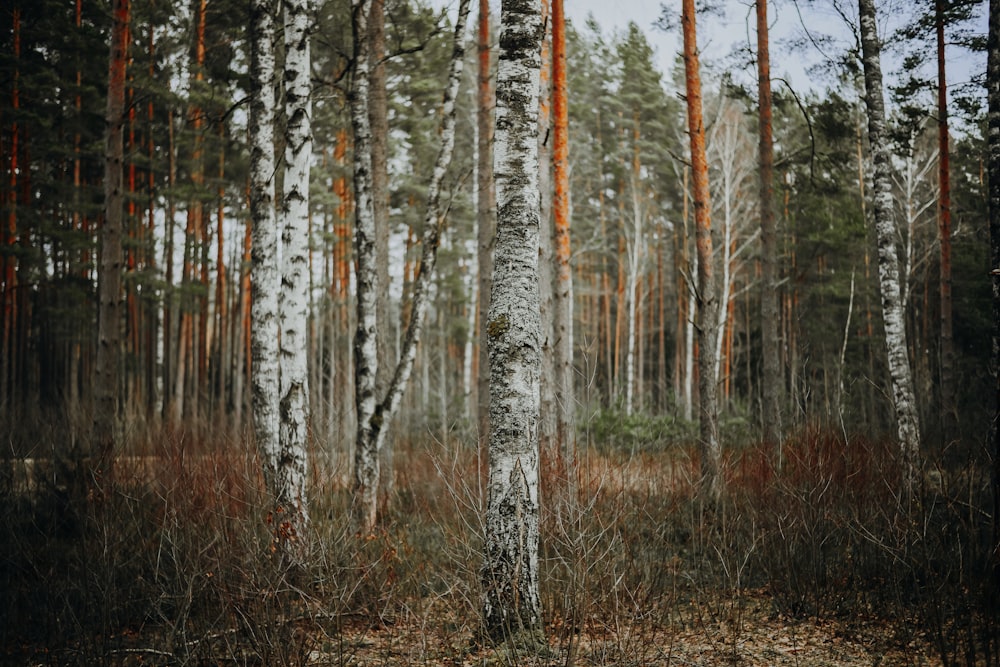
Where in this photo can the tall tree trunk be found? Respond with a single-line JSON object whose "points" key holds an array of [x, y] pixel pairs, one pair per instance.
{"points": [[198, 378], [949, 415], [293, 306], [635, 254], [374, 413], [265, 281], [888, 260], [222, 366], [108, 368], [512, 604], [993, 94], [711, 449], [366, 455], [8, 350], [547, 392], [485, 209], [563, 288], [169, 294], [378, 113], [772, 383]]}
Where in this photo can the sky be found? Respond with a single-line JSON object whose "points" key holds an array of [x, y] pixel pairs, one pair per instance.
{"points": [[792, 23]]}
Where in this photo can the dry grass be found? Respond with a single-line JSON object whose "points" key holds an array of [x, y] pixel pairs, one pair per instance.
{"points": [[812, 564]]}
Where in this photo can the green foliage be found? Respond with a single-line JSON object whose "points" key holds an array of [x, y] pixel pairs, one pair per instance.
{"points": [[611, 430]]}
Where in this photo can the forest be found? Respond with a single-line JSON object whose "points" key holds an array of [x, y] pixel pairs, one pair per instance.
{"points": [[350, 332]]}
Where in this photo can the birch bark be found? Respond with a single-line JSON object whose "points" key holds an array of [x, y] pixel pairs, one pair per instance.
{"points": [[294, 299], [888, 260], [366, 461], [264, 249], [512, 606], [374, 414]]}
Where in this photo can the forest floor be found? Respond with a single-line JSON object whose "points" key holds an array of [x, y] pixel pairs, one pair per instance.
{"points": [[809, 567], [758, 639], [752, 636]]}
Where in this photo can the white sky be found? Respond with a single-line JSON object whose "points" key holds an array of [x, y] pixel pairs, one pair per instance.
{"points": [[733, 26]]}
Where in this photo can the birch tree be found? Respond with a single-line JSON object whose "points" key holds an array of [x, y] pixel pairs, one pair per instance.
{"points": [[264, 253], [374, 412], [730, 151], [512, 606], [893, 314], [710, 447], [294, 299]]}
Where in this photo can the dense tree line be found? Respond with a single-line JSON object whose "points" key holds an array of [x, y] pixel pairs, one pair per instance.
{"points": [[831, 272]]}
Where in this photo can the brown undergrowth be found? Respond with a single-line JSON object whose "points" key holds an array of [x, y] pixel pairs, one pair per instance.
{"points": [[813, 561]]}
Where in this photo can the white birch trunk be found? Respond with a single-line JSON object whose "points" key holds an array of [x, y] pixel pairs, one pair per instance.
{"points": [[366, 459], [635, 258], [264, 249], [909, 182], [470, 339], [372, 414], [510, 570], [888, 261], [294, 299]]}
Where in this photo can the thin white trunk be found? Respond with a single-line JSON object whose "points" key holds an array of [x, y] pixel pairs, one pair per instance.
{"points": [[909, 182], [888, 261], [692, 303], [373, 415], [366, 456], [470, 338], [635, 259], [512, 606]]}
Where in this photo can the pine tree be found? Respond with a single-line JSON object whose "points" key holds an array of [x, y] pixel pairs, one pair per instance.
{"points": [[563, 287], [993, 119], [772, 384], [107, 373], [711, 448]]}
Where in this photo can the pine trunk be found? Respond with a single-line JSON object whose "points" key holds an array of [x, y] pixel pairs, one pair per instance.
{"points": [[512, 606], [888, 260], [949, 415], [711, 448], [772, 383], [993, 94], [563, 288], [108, 369]]}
